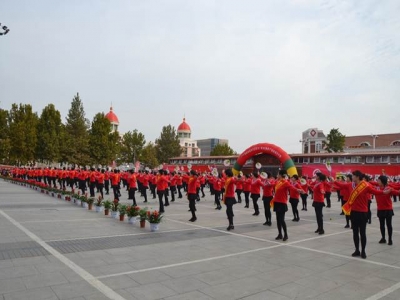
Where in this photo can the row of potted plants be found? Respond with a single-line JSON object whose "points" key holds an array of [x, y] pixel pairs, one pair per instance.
{"points": [[134, 213]]}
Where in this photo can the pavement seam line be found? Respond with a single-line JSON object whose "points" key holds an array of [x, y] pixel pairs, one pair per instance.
{"points": [[93, 281]]}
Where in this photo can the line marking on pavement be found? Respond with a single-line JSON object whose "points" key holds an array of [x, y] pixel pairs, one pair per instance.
{"points": [[60, 220], [190, 262], [105, 290], [384, 292]]}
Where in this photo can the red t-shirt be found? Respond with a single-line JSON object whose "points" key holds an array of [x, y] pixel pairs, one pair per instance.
{"points": [[319, 192], [192, 183]]}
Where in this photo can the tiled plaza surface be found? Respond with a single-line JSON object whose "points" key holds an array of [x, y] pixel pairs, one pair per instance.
{"points": [[52, 249]]}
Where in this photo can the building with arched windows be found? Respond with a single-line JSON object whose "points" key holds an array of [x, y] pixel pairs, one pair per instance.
{"points": [[188, 145]]}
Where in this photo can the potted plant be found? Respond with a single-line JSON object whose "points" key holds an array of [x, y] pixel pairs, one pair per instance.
{"points": [[99, 204], [77, 199], [90, 202], [143, 217], [122, 211], [107, 206], [114, 208], [84, 201], [154, 218], [132, 213]]}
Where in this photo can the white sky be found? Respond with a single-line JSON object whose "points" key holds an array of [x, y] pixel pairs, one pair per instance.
{"points": [[248, 71]]}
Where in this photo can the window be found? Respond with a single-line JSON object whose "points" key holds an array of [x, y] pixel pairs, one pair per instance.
{"points": [[385, 159], [365, 144], [347, 160], [306, 160], [317, 160], [341, 160], [369, 159], [355, 159], [318, 147], [395, 143]]}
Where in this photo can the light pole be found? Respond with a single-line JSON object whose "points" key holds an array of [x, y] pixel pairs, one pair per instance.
{"points": [[374, 136]]}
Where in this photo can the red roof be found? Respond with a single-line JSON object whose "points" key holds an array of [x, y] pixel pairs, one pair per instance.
{"points": [[112, 117], [184, 126]]}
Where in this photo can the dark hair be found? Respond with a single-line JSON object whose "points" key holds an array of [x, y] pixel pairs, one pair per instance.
{"points": [[229, 173], [282, 172], [193, 172], [161, 172], [321, 176], [349, 176], [295, 177], [255, 174], [383, 179], [359, 174]]}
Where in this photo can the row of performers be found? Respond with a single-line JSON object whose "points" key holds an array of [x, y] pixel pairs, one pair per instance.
{"points": [[356, 194]]}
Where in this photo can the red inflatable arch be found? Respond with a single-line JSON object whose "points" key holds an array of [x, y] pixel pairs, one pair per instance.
{"points": [[266, 148]]}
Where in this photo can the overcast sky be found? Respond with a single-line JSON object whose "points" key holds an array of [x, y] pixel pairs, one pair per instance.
{"points": [[248, 71]]}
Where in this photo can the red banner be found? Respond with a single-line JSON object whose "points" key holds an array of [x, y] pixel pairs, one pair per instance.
{"points": [[392, 171]]}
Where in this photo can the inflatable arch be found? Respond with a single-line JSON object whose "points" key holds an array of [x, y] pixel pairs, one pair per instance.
{"points": [[266, 148]]}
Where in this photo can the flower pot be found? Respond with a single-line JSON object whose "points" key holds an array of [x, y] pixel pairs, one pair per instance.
{"points": [[114, 214], [99, 208], [121, 217], [154, 226], [142, 223], [106, 211], [90, 206], [85, 205], [78, 202], [132, 220]]}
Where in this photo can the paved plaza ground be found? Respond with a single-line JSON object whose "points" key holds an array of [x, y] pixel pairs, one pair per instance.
{"points": [[52, 249]]}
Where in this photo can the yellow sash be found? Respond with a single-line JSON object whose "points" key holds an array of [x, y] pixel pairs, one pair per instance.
{"points": [[353, 196], [277, 186], [227, 182]]}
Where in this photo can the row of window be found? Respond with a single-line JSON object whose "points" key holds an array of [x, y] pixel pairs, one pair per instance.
{"points": [[348, 160]]}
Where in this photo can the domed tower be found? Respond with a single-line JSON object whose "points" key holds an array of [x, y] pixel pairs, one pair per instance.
{"points": [[189, 146], [184, 131], [112, 117]]}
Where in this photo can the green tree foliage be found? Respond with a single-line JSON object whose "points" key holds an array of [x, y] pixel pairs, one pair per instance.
{"points": [[23, 134], [334, 141], [4, 137], [103, 144], [221, 150], [132, 146], [48, 135], [76, 134], [149, 156], [167, 144]]}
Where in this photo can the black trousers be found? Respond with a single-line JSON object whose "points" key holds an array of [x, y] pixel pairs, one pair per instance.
{"points": [[294, 203], [92, 185], [267, 208], [359, 223], [192, 204], [107, 186], [246, 198], [328, 199], [101, 186], [217, 195], [229, 202], [132, 195], [388, 219], [239, 195], [255, 198], [304, 200], [179, 191], [160, 200], [369, 211], [318, 213], [280, 222]]}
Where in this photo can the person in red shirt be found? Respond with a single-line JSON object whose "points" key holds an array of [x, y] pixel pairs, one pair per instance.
{"points": [[115, 180], [172, 186], [161, 184], [304, 196], [192, 194], [217, 185], [92, 181], [318, 203], [357, 206], [247, 189], [239, 188], [229, 197], [294, 196], [385, 209], [100, 182], [268, 192], [132, 186], [328, 191], [345, 189], [107, 182], [255, 192], [202, 180], [279, 202], [145, 185], [179, 183]]}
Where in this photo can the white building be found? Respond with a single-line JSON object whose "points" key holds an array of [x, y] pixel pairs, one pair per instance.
{"points": [[312, 141], [112, 117], [188, 145]]}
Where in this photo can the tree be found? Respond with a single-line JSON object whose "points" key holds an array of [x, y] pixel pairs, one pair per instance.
{"points": [[168, 144], [222, 150], [103, 143], [132, 146], [76, 134], [23, 134], [149, 156], [4, 136], [334, 141], [48, 135]]}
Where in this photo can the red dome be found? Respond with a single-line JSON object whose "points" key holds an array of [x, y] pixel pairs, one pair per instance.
{"points": [[184, 126], [112, 117]]}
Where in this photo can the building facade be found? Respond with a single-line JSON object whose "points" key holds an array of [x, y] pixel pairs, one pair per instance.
{"points": [[188, 145], [112, 117], [208, 145], [312, 141]]}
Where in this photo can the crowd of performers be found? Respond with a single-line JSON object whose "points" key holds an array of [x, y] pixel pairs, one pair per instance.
{"points": [[355, 191]]}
